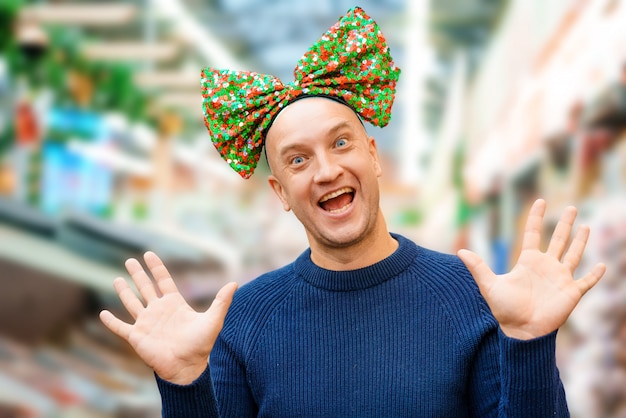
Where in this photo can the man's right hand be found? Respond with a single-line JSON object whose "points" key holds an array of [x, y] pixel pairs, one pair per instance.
{"points": [[170, 336]]}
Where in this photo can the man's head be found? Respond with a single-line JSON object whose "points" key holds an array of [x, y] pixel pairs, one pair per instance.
{"points": [[325, 168]]}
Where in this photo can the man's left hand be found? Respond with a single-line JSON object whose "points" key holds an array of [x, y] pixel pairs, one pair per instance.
{"points": [[537, 296]]}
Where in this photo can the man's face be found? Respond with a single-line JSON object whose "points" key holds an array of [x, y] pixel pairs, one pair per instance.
{"points": [[325, 168]]}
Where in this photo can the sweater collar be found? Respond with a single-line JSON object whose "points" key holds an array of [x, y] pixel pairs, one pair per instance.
{"points": [[361, 278]]}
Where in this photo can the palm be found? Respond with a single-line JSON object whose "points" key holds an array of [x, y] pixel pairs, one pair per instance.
{"points": [[167, 334], [537, 296], [167, 330]]}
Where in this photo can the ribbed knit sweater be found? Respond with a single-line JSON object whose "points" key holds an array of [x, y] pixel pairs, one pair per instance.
{"points": [[410, 336]]}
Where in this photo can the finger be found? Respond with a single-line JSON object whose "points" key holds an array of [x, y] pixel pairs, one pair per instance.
{"points": [[576, 249], [481, 272], [562, 232], [590, 280], [162, 277], [128, 297], [218, 309], [117, 326], [532, 231], [141, 280]]}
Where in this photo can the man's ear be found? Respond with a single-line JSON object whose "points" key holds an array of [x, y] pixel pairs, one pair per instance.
{"points": [[278, 189], [374, 153]]}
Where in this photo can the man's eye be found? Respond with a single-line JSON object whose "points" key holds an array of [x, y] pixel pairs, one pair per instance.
{"points": [[297, 160], [341, 143]]}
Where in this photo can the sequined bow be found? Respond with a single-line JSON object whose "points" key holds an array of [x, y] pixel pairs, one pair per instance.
{"points": [[351, 61]]}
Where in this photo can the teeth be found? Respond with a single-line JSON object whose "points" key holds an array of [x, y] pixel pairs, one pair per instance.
{"points": [[336, 193], [340, 209]]}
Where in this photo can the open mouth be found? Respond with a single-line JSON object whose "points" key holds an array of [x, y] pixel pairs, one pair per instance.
{"points": [[337, 201]]}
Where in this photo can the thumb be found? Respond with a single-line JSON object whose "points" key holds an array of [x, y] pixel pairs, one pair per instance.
{"points": [[218, 309], [589, 280], [478, 268]]}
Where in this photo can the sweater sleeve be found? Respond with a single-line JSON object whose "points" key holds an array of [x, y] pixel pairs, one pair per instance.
{"points": [[200, 398], [531, 385], [188, 401], [515, 378]]}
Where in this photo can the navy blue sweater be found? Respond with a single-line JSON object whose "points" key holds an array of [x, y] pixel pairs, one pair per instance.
{"points": [[410, 336]]}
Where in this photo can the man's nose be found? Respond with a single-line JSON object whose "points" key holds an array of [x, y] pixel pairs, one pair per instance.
{"points": [[328, 169]]}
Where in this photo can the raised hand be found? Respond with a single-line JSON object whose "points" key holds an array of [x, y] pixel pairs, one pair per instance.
{"points": [[170, 336], [537, 296]]}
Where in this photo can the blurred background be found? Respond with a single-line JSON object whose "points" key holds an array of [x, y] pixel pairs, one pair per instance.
{"points": [[104, 155]]}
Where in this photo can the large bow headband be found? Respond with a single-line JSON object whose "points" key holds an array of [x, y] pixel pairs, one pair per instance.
{"points": [[351, 61]]}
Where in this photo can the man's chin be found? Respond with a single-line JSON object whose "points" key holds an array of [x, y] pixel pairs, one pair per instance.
{"points": [[339, 240]]}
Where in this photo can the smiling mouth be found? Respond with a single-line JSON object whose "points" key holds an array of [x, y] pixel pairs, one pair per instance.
{"points": [[337, 201]]}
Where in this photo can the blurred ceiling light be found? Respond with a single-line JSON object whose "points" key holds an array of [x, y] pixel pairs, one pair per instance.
{"points": [[96, 14], [131, 51], [29, 32], [169, 79], [188, 27]]}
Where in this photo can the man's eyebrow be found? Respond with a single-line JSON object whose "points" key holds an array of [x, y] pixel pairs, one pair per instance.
{"points": [[331, 131], [288, 149], [339, 126]]}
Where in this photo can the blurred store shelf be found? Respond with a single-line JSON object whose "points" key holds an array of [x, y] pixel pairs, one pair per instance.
{"points": [[91, 251], [45, 255], [29, 238], [82, 379], [130, 51], [92, 14]]}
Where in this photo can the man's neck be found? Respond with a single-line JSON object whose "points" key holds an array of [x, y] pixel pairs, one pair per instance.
{"points": [[370, 250]]}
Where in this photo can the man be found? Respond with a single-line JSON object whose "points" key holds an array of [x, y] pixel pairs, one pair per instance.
{"points": [[363, 323]]}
